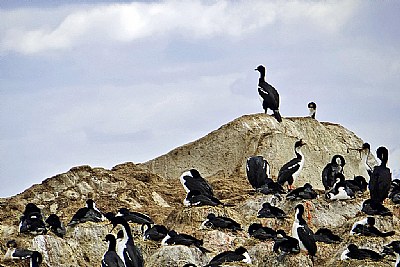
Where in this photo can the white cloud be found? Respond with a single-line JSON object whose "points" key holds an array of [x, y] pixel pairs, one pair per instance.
{"points": [[129, 22]]}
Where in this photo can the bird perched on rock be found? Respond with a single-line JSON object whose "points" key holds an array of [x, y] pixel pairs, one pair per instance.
{"points": [[86, 214], [380, 178], [353, 252], [367, 227], [56, 226], [370, 207], [303, 233], [285, 245], [173, 238], [269, 211], [15, 253], [134, 217], [331, 169], [111, 258], [155, 232], [126, 249], [358, 184], [257, 170], [269, 94], [238, 255], [303, 192], [393, 248], [340, 190], [312, 107], [195, 198], [192, 180], [260, 232], [221, 222], [31, 222], [326, 236], [291, 170]]}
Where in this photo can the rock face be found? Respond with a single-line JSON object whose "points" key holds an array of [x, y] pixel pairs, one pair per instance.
{"points": [[154, 188], [224, 152]]}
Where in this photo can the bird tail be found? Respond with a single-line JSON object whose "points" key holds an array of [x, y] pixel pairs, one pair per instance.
{"points": [[386, 234], [277, 115], [203, 249]]}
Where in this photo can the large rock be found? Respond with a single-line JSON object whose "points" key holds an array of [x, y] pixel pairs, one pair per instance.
{"points": [[154, 188]]}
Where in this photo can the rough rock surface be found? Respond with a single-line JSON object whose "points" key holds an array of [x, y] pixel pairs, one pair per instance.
{"points": [[154, 189]]}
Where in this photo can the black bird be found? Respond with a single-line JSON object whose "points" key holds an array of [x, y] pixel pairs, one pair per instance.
{"points": [[86, 214], [285, 245], [15, 253], [238, 255], [134, 217], [271, 188], [126, 250], [111, 258], [191, 180], [31, 222], [371, 207], [269, 94], [173, 238], [56, 226], [269, 211], [155, 232], [395, 191], [367, 227], [260, 232], [326, 236], [195, 198], [304, 192], [312, 107], [303, 233], [340, 190], [358, 184], [331, 169], [353, 252], [257, 170], [380, 178], [291, 170], [392, 248], [221, 222]]}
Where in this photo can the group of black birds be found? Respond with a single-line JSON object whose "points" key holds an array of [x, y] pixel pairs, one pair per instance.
{"points": [[122, 251]]}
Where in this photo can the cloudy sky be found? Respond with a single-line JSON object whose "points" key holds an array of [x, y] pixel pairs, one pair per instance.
{"points": [[106, 82]]}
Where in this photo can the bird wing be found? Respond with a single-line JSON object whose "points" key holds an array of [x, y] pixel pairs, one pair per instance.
{"points": [[287, 170], [256, 171], [269, 95], [307, 238], [22, 253]]}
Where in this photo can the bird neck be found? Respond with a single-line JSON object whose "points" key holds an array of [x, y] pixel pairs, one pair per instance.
{"points": [[298, 152], [127, 230], [384, 160], [112, 245], [262, 76]]}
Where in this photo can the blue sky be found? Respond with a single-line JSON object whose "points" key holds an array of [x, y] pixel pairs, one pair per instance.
{"points": [[105, 82]]}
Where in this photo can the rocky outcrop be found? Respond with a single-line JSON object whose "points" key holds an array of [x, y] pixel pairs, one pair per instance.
{"points": [[153, 188], [224, 152]]}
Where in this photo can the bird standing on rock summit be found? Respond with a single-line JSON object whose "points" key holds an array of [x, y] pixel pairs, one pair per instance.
{"points": [[269, 94], [312, 107], [291, 170]]}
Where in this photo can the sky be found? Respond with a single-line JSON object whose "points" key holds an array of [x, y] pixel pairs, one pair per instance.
{"points": [[101, 83]]}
